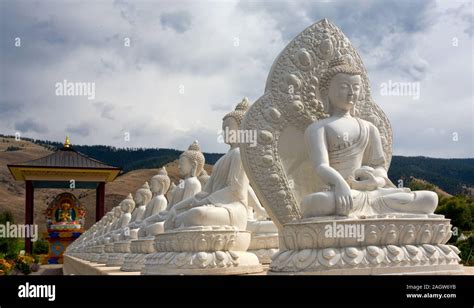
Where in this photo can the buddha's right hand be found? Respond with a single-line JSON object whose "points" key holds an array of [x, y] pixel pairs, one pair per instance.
{"points": [[344, 203]]}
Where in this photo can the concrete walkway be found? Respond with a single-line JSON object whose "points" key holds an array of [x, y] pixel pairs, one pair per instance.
{"points": [[49, 270]]}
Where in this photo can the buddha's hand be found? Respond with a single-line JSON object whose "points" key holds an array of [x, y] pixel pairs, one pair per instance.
{"points": [[201, 202], [201, 194], [170, 219], [344, 204], [366, 180]]}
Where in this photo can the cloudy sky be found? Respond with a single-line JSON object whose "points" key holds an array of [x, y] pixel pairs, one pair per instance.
{"points": [[165, 72]]}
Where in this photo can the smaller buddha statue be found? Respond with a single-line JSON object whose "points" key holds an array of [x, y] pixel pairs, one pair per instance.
{"points": [[159, 185], [158, 204], [142, 198], [191, 163], [123, 215], [223, 201], [142, 243]]}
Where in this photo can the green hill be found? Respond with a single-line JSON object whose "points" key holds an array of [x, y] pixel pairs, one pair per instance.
{"points": [[448, 174]]}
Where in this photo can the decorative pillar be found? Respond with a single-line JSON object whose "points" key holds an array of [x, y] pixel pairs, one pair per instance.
{"points": [[29, 214], [100, 201]]}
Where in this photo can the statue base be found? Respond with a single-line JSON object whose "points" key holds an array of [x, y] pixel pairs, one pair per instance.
{"points": [[264, 241], [135, 260], [115, 259], [367, 247], [103, 258], [264, 246], [97, 252], [202, 251]]}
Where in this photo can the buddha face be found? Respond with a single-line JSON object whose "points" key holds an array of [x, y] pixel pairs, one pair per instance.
{"points": [[185, 166], [117, 210], [230, 124], [127, 206], [344, 91], [138, 197], [156, 186], [110, 217]]}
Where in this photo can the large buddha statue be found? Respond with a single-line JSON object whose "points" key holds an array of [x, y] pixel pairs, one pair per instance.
{"points": [[320, 164], [347, 156], [223, 201], [191, 163]]}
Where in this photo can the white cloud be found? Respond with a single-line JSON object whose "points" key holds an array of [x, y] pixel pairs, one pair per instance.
{"points": [[220, 52]]}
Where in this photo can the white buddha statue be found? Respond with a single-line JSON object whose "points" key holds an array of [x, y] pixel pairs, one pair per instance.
{"points": [[206, 233], [142, 199], [159, 203], [100, 233], [142, 242], [223, 200], [110, 219], [348, 158], [160, 184], [123, 213], [191, 163]]}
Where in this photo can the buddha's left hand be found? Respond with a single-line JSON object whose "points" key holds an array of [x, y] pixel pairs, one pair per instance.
{"points": [[369, 182], [201, 202]]}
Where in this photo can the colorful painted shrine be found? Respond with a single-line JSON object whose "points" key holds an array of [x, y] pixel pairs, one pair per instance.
{"points": [[65, 221]]}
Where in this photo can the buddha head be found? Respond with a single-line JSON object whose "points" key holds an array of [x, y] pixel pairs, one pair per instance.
{"points": [[118, 210], [232, 120], [191, 162], [109, 217], [340, 85], [143, 195], [160, 182], [128, 204]]}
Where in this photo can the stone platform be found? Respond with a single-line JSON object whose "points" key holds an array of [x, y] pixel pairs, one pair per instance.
{"points": [[379, 246]]}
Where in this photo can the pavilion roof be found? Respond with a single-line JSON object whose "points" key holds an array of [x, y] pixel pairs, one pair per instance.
{"points": [[64, 164]]}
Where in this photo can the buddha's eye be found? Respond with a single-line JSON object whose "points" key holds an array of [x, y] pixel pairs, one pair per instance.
{"points": [[356, 87], [344, 86]]}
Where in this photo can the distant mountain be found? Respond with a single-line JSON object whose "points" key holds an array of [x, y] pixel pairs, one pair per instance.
{"points": [[448, 174], [126, 158], [12, 193]]}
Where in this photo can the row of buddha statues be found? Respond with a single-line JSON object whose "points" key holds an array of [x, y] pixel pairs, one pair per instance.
{"points": [[319, 165], [125, 235]]}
